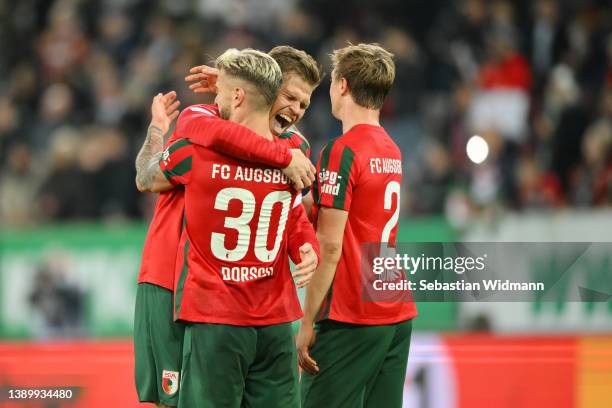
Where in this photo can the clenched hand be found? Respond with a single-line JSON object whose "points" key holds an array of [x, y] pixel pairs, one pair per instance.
{"points": [[300, 171]]}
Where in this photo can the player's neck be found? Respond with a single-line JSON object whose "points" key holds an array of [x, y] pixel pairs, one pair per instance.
{"points": [[258, 123], [354, 114]]}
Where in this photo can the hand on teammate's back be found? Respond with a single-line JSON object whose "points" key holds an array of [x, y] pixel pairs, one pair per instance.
{"points": [[203, 79], [308, 263], [164, 109], [300, 171]]}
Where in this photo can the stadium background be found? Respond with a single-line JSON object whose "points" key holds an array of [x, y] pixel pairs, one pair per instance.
{"points": [[533, 78]]}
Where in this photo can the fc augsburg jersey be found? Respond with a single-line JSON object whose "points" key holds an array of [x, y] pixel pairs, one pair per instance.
{"points": [[232, 266], [202, 124], [361, 172]]}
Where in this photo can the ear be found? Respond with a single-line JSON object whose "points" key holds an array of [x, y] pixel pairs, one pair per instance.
{"points": [[238, 97], [344, 87]]}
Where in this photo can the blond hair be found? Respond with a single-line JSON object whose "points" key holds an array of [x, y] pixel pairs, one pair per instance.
{"points": [[294, 61], [369, 70], [256, 68]]}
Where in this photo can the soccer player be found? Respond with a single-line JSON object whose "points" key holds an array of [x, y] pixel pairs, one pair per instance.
{"points": [[301, 75], [234, 281], [158, 340], [359, 355]]}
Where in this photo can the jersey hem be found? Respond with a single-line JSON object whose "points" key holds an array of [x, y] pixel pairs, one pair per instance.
{"points": [[374, 321], [156, 283], [232, 322]]}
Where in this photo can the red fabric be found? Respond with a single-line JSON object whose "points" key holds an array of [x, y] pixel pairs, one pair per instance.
{"points": [[510, 73], [162, 240], [301, 231], [552, 190], [201, 125], [367, 183], [233, 266]]}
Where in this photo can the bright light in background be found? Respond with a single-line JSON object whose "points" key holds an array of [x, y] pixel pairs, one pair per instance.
{"points": [[477, 149]]}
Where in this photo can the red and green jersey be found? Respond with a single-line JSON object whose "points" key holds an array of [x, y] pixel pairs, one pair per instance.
{"points": [[202, 124], [361, 172], [296, 140], [232, 267]]}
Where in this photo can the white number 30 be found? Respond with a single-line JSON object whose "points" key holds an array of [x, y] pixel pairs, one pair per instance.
{"points": [[242, 224]]}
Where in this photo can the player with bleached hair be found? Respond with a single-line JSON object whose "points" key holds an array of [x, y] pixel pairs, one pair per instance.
{"points": [[246, 87]]}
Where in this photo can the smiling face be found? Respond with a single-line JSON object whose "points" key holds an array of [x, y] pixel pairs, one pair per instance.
{"points": [[291, 103]]}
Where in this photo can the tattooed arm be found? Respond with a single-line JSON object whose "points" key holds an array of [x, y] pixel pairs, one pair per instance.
{"points": [[147, 161], [164, 110]]}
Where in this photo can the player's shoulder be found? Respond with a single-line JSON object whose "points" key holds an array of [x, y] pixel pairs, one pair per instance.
{"points": [[338, 143], [176, 144], [369, 139], [191, 116], [337, 149], [200, 110], [295, 138]]}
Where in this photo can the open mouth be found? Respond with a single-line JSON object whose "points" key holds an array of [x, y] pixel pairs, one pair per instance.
{"points": [[283, 120]]}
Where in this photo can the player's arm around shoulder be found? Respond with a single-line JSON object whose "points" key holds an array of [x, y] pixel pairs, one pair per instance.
{"points": [[174, 167], [157, 182], [152, 179]]}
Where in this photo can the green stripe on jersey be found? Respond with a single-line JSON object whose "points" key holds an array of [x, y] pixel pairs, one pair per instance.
{"points": [[177, 145], [180, 169], [181, 282], [344, 174], [304, 147], [324, 162], [290, 131]]}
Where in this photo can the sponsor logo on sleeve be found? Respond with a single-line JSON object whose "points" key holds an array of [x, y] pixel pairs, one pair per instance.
{"points": [[330, 182]]}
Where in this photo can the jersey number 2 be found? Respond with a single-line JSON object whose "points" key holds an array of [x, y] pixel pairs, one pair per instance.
{"points": [[392, 188], [242, 224]]}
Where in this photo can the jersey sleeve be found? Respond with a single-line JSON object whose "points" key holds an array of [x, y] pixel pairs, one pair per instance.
{"points": [[190, 114], [301, 231], [202, 126], [176, 162], [336, 175]]}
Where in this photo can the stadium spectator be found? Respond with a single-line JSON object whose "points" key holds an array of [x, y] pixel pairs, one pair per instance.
{"points": [[19, 185], [67, 192], [532, 73]]}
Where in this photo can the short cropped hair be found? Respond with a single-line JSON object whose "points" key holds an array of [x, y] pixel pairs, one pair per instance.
{"points": [[298, 62], [369, 70], [256, 68]]}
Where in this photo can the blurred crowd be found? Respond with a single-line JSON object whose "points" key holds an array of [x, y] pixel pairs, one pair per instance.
{"points": [[533, 78]]}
